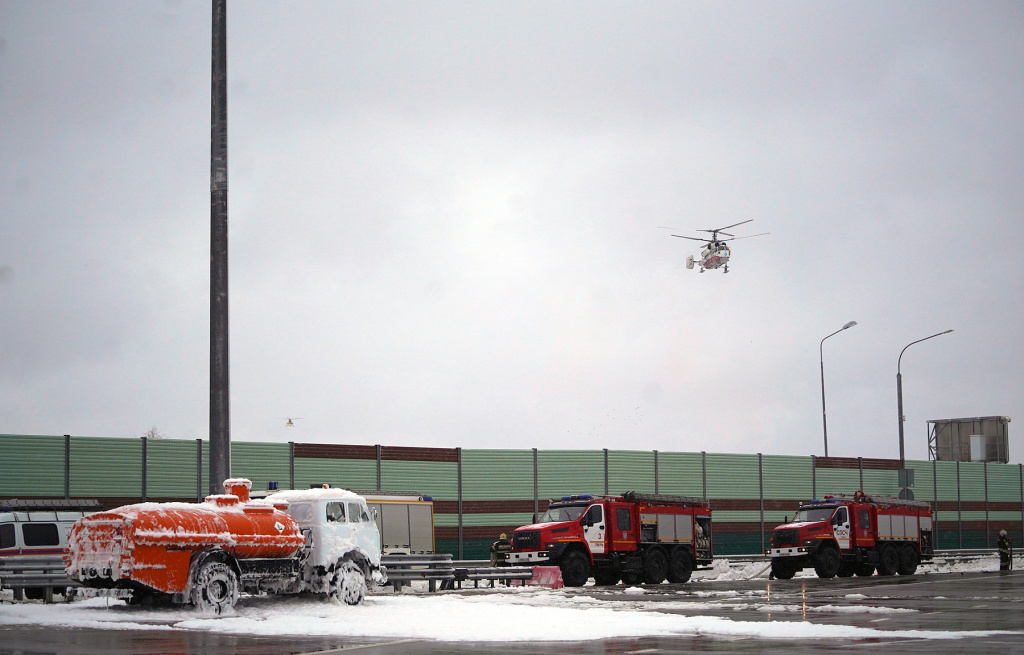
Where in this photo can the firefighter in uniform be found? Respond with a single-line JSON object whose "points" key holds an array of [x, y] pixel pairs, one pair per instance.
{"points": [[500, 550], [1004, 543], [499, 553]]}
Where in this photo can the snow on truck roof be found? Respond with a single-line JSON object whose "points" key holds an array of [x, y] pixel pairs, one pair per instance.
{"points": [[313, 495]]}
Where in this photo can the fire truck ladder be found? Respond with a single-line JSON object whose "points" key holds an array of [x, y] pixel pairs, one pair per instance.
{"points": [[888, 501], [665, 499]]}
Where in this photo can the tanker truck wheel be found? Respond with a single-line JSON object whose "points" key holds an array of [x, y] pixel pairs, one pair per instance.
{"points": [[348, 585], [215, 588]]}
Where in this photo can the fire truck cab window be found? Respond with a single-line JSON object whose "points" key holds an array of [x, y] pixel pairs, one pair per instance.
{"points": [[622, 521], [841, 517], [864, 518], [40, 534], [7, 536], [594, 515], [813, 514], [559, 514], [336, 512]]}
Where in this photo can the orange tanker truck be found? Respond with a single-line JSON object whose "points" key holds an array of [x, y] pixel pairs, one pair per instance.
{"points": [[320, 540]]}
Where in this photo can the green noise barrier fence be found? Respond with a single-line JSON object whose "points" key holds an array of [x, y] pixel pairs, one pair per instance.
{"points": [[480, 493]]}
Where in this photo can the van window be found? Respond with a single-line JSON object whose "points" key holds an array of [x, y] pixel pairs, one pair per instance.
{"points": [[336, 512], [40, 534], [356, 514], [7, 535]]}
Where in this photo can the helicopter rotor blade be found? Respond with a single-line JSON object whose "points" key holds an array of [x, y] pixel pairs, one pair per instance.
{"points": [[733, 225], [691, 238], [747, 236]]}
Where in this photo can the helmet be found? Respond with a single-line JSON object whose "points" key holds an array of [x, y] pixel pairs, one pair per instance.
{"points": [[1002, 533], [505, 536]]}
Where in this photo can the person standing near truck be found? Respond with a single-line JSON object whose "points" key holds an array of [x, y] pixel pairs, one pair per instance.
{"points": [[500, 550], [1004, 543]]}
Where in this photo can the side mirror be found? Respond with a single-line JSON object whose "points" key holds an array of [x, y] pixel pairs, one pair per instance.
{"points": [[373, 513]]}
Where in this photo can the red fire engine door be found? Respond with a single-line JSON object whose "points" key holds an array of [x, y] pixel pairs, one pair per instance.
{"points": [[594, 529], [841, 527]]}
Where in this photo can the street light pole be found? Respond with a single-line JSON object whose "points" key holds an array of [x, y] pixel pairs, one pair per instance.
{"points": [[821, 360], [899, 386]]}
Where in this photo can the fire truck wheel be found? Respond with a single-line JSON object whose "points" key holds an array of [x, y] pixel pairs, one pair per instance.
{"points": [[782, 569], [864, 570], [888, 560], [680, 566], [632, 578], [606, 576], [215, 588], [827, 562], [655, 565], [908, 560], [575, 569], [846, 570], [348, 585]]}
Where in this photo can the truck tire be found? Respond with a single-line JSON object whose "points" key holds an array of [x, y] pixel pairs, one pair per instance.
{"points": [[632, 577], [680, 566], [215, 588], [888, 560], [606, 576], [908, 560], [846, 569], [348, 585], [655, 565], [827, 561], [783, 569], [575, 569]]}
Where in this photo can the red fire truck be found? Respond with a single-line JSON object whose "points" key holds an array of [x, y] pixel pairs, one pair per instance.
{"points": [[854, 534], [634, 537]]}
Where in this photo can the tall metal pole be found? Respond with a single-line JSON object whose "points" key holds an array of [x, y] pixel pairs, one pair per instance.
{"points": [[821, 360], [220, 406], [899, 387]]}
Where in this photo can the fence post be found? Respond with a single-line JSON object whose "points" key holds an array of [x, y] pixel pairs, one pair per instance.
{"points": [[704, 472], [935, 499], [199, 470], [860, 467], [985, 468], [459, 451], [814, 477], [145, 465], [655, 471], [760, 493], [380, 487], [605, 471], [1020, 472], [959, 511], [291, 464], [536, 489], [68, 467]]}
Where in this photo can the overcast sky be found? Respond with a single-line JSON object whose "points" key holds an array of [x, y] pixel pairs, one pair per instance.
{"points": [[444, 221]]}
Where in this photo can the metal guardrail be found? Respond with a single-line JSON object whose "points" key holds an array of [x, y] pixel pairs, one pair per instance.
{"points": [[34, 576], [440, 567]]}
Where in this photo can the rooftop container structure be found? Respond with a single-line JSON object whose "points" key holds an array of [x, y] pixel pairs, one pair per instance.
{"points": [[979, 439]]}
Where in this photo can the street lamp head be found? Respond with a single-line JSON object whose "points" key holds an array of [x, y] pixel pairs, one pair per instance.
{"points": [[852, 323]]}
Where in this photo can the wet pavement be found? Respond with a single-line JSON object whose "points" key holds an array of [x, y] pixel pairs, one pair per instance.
{"points": [[938, 602]]}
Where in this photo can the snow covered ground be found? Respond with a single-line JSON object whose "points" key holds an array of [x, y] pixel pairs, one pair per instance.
{"points": [[507, 614]]}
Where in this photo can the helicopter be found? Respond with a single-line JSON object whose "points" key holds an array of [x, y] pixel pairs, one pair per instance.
{"points": [[716, 253], [290, 423]]}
